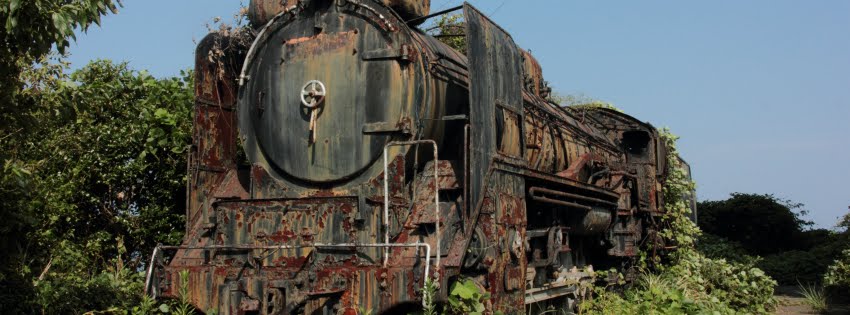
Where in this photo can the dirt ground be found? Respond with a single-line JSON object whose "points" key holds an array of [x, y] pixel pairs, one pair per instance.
{"points": [[791, 302]]}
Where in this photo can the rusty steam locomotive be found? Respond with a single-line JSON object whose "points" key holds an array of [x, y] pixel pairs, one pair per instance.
{"points": [[377, 158]]}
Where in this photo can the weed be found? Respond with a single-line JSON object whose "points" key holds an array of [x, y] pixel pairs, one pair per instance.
{"points": [[467, 298], [428, 297], [814, 296], [184, 306]]}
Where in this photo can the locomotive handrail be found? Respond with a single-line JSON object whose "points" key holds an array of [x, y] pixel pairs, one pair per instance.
{"points": [[387, 197], [156, 250]]}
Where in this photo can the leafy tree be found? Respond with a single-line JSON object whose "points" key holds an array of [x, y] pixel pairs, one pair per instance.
{"points": [[15, 221], [844, 222], [771, 228], [113, 180], [30, 30], [838, 274], [763, 224], [104, 183], [450, 29]]}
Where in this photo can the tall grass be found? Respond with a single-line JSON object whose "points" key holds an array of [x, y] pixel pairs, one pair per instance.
{"points": [[814, 296]]}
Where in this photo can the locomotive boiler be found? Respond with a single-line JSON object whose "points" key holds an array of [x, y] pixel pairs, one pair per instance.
{"points": [[343, 159]]}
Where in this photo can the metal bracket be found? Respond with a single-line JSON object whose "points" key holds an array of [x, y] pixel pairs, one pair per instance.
{"points": [[386, 127]]}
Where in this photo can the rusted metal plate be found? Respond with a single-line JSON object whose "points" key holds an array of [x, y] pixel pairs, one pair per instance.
{"points": [[495, 81]]}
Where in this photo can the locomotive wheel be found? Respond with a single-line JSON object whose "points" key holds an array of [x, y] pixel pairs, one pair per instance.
{"points": [[476, 250]]}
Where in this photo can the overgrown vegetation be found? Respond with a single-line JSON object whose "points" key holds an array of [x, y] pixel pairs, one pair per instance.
{"points": [[182, 306], [770, 231], [30, 30], [104, 183], [466, 297], [429, 307], [580, 101], [93, 165], [762, 224], [688, 282], [838, 274], [449, 29]]}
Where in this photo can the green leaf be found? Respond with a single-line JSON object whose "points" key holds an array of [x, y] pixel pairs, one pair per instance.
{"points": [[454, 301], [164, 308], [463, 291], [160, 113], [14, 5]]}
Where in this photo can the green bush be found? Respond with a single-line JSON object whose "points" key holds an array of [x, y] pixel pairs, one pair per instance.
{"points": [[695, 284], [763, 224], [95, 183], [713, 246], [837, 276], [98, 292], [799, 256], [794, 266], [466, 297], [655, 294], [806, 266], [742, 287], [690, 282]]}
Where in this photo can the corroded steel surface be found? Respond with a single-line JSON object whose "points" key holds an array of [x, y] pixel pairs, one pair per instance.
{"points": [[532, 197], [409, 9], [261, 12]]}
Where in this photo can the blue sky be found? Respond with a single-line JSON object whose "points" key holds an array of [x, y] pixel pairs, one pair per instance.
{"points": [[759, 91]]}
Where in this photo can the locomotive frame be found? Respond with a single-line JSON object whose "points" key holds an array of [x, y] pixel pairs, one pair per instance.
{"points": [[520, 195]]}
